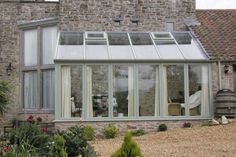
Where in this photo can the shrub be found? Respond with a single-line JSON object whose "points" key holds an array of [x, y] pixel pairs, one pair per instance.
{"points": [[111, 131], [28, 138], [162, 127], [57, 149], [4, 95], [88, 133], [187, 125], [138, 132], [76, 143], [129, 148]]}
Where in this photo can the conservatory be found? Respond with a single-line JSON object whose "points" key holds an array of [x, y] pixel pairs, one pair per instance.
{"points": [[131, 76]]}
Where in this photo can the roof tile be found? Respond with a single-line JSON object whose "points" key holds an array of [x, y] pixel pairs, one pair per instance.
{"points": [[217, 33]]}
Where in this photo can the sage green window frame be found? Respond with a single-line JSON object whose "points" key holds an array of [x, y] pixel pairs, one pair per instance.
{"points": [[85, 115], [39, 67]]}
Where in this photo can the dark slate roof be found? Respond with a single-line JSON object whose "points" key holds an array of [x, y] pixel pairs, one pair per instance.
{"points": [[217, 33]]}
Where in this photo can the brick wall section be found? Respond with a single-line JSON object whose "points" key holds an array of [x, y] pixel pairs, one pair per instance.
{"points": [[91, 15], [10, 13], [148, 126]]}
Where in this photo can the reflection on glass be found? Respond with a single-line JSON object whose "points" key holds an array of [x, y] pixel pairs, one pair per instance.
{"points": [[140, 39], [118, 39], [71, 38], [198, 90], [123, 91], [76, 90], [148, 89], [173, 89], [98, 90]]}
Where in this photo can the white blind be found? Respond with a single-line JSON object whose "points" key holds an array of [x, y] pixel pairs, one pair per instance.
{"points": [[48, 89], [49, 39], [30, 89], [30, 47]]}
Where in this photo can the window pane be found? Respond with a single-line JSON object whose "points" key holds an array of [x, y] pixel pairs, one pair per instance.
{"points": [[30, 47], [30, 89], [188, 46], [48, 89], [96, 50], [198, 90], [141, 39], [123, 91], [118, 39], [49, 44], [71, 38], [76, 91], [148, 88], [173, 90], [169, 51], [143, 52], [170, 26], [97, 90]]}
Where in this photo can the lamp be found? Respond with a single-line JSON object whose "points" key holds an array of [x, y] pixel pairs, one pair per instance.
{"points": [[9, 69], [226, 68]]}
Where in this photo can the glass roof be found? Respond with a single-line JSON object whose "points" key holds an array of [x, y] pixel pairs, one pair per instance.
{"points": [[82, 46]]}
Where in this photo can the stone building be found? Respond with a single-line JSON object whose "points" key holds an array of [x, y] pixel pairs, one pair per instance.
{"points": [[60, 71]]}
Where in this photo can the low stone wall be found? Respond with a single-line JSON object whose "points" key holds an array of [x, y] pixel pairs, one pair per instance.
{"points": [[148, 126]]}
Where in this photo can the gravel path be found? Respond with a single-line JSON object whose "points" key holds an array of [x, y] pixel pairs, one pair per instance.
{"points": [[207, 141]]}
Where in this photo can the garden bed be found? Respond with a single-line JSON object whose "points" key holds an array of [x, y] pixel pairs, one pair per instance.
{"points": [[198, 141]]}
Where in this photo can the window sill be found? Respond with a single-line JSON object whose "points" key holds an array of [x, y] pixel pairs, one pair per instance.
{"points": [[37, 111], [174, 118]]}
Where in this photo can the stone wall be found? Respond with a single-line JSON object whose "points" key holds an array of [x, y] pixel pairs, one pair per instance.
{"points": [[91, 15], [10, 13], [227, 79], [148, 126]]}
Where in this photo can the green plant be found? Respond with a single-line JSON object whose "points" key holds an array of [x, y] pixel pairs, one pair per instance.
{"points": [[4, 95], [88, 133], [162, 127], [187, 125], [111, 131], [76, 144], [138, 132], [28, 138], [129, 148], [57, 149]]}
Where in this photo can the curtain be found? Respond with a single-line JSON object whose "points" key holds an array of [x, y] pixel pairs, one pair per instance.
{"points": [[205, 92], [165, 91], [30, 89], [49, 44], [30, 47], [66, 92], [90, 93], [131, 109]]}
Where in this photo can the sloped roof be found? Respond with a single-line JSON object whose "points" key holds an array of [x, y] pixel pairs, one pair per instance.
{"points": [[217, 33]]}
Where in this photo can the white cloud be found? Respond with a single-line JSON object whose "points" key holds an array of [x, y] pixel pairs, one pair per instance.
{"points": [[216, 4]]}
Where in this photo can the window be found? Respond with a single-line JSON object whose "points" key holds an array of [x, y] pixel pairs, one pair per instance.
{"points": [[148, 90], [123, 91], [170, 26], [38, 68], [97, 78], [198, 100], [174, 91]]}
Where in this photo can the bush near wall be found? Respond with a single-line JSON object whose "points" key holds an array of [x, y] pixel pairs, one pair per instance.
{"points": [[4, 95]]}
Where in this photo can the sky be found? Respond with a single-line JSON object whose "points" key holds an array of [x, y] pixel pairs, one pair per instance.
{"points": [[216, 4]]}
